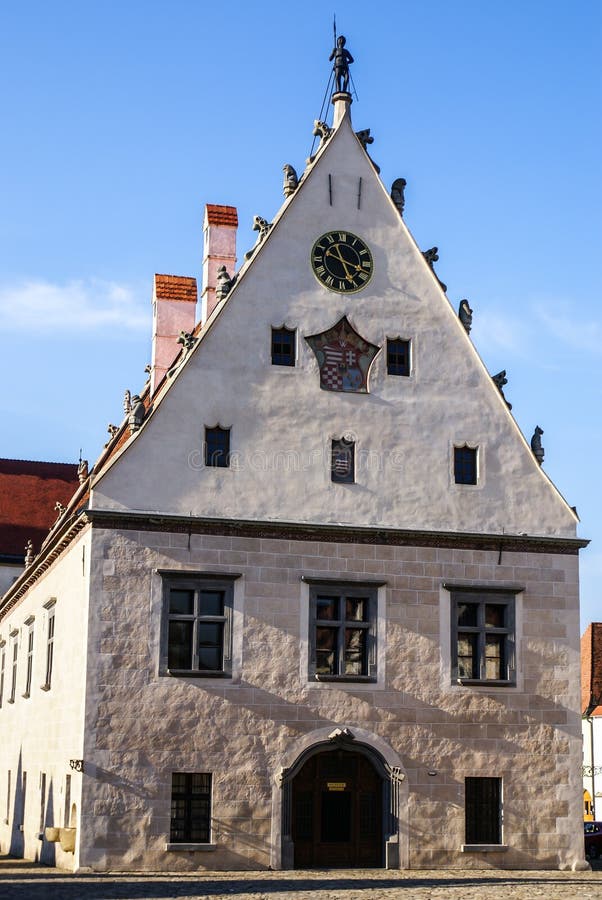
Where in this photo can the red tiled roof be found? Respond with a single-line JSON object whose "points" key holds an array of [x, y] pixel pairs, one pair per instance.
{"points": [[28, 493], [175, 287], [591, 668], [221, 215]]}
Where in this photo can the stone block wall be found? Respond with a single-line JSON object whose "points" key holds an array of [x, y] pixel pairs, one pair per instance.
{"points": [[141, 726]]}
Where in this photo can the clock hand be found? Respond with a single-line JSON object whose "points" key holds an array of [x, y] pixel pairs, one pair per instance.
{"points": [[338, 257]]}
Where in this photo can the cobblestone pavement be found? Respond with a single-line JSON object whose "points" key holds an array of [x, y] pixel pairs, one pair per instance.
{"points": [[22, 880]]}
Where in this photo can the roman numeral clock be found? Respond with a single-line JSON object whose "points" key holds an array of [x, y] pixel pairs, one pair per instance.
{"points": [[341, 261]]}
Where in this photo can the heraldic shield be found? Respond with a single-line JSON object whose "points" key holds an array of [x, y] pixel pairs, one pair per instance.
{"points": [[344, 358]]}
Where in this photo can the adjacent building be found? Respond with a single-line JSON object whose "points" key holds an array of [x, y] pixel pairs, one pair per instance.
{"points": [[591, 710], [316, 604]]}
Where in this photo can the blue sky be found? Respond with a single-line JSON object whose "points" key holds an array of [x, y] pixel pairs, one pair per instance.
{"points": [[122, 119]]}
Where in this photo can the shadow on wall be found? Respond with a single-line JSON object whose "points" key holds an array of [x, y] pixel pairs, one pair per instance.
{"points": [[48, 849], [17, 835]]}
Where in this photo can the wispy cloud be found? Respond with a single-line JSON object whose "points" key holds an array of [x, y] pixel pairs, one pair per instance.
{"points": [[76, 306], [519, 333], [574, 331]]}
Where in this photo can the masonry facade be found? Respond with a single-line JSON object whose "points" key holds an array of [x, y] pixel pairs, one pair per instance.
{"points": [[317, 602]]}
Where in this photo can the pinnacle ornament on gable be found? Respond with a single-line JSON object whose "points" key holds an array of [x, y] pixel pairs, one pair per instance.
{"points": [[291, 181], [365, 138], [538, 450], [397, 194], [500, 382], [262, 226], [224, 284], [465, 315], [432, 256], [29, 555]]}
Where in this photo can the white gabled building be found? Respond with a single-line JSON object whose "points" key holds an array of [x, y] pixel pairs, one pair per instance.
{"points": [[317, 603]]}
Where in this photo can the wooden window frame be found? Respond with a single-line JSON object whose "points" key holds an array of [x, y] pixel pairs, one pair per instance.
{"points": [[14, 667], [278, 357], [466, 465], [217, 457], [342, 591], [50, 626], [481, 598], [199, 583], [394, 368], [483, 811], [187, 797], [2, 670]]}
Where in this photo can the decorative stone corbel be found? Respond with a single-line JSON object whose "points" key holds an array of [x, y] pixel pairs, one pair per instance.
{"points": [[465, 315], [397, 194], [365, 138], [291, 181], [136, 416], [262, 226], [341, 735], [500, 381], [432, 256], [538, 450]]}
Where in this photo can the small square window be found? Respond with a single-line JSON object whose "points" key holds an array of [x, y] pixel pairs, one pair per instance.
{"points": [[398, 356], [283, 347], [342, 469], [217, 447], [190, 808], [465, 465]]}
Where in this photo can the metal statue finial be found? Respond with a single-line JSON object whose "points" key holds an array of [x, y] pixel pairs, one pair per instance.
{"points": [[342, 58]]}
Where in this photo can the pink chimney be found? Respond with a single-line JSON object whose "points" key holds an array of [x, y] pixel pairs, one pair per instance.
{"points": [[219, 249], [174, 310]]}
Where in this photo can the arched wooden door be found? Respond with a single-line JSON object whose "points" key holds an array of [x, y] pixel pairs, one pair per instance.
{"points": [[337, 806]]}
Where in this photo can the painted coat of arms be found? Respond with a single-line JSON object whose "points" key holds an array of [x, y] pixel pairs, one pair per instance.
{"points": [[344, 358]]}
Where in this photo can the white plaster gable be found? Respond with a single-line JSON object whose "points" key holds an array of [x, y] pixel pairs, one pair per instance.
{"points": [[282, 423]]}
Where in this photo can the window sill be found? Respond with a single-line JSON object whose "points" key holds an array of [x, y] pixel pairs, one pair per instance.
{"points": [[483, 682], [187, 673], [198, 848], [346, 679], [11, 700], [45, 687], [26, 695], [484, 848]]}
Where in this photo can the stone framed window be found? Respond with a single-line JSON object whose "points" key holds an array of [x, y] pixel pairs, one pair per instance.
{"points": [[49, 644], [465, 464], [196, 637], [283, 346], [2, 669], [342, 632], [190, 821], [398, 356], [342, 465], [483, 811], [483, 636], [29, 666], [217, 447], [14, 665]]}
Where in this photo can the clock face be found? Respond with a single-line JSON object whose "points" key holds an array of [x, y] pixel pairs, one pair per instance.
{"points": [[342, 261]]}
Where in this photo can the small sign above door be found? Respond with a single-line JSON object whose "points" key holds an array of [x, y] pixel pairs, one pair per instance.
{"points": [[336, 785]]}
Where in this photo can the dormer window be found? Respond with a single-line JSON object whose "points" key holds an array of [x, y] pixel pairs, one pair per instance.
{"points": [[217, 447], [283, 346], [465, 465]]}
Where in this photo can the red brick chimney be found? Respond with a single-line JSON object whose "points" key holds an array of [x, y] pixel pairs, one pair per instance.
{"points": [[219, 249], [174, 310], [591, 670]]}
